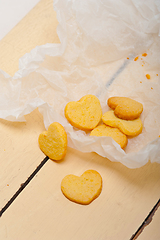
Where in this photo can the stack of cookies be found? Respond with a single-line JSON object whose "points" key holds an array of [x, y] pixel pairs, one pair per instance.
{"points": [[119, 123]]}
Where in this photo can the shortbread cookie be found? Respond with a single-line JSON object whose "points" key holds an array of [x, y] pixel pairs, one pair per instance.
{"points": [[129, 127], [53, 142], [108, 131], [83, 189], [84, 114], [125, 108]]}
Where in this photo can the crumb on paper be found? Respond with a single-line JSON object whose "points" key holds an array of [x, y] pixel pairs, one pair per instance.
{"points": [[157, 74], [144, 54], [127, 57], [136, 58], [142, 65], [7, 184], [148, 76], [140, 81], [151, 87]]}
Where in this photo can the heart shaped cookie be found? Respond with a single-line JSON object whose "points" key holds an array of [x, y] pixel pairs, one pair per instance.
{"points": [[115, 133], [125, 108], [53, 142], [84, 114], [83, 189], [129, 127]]}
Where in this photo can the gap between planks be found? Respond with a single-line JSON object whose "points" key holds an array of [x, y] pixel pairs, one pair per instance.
{"points": [[23, 185], [146, 222]]}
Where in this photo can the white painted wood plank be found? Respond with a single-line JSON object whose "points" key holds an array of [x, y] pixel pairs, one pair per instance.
{"points": [[20, 153], [19, 150], [41, 211]]}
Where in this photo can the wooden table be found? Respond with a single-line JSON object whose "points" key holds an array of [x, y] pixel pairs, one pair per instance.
{"points": [[41, 211]]}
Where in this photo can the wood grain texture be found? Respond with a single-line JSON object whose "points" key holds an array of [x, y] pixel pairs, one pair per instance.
{"points": [[41, 211]]}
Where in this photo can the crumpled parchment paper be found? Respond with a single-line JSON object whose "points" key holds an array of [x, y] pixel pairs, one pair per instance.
{"points": [[99, 43]]}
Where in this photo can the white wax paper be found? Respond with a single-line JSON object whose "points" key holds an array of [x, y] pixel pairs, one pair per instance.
{"points": [[96, 38]]}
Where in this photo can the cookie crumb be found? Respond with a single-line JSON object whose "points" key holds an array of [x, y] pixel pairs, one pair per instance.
{"points": [[136, 58], [157, 74], [151, 87], [148, 76], [140, 82], [127, 57], [7, 184], [144, 54]]}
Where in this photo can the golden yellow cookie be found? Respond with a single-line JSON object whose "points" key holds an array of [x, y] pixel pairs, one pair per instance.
{"points": [[129, 127], [84, 114], [125, 108], [54, 141], [114, 133], [83, 189]]}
